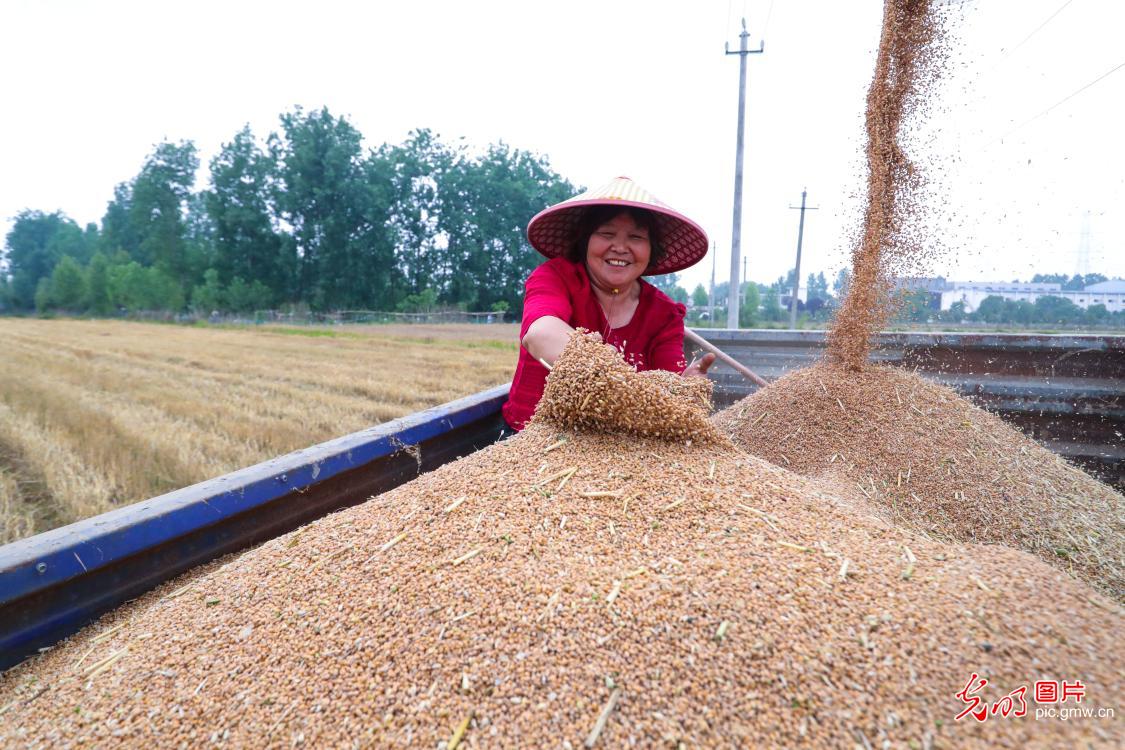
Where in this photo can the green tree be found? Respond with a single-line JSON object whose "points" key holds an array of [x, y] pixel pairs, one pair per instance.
{"points": [[1021, 311], [699, 297], [1051, 309], [118, 234], [771, 306], [98, 300], [157, 209], [44, 300], [914, 306], [1096, 314], [751, 300], [955, 314], [1074, 284], [784, 284], [321, 192], [424, 301], [243, 296], [33, 246], [482, 204], [990, 309], [840, 285], [68, 285], [199, 238], [207, 297], [245, 242], [817, 287], [136, 287], [416, 172], [1049, 278], [679, 294]]}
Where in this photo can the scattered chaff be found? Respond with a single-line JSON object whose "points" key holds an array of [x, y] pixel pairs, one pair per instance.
{"points": [[103, 636], [557, 475], [328, 558], [78, 663], [797, 547], [564, 480], [599, 725], [394, 540], [455, 504], [459, 732], [181, 591], [467, 556], [98, 667], [557, 444], [551, 602], [760, 514]]}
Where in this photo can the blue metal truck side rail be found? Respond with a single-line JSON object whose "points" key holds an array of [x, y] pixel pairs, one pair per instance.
{"points": [[53, 583], [1066, 391]]}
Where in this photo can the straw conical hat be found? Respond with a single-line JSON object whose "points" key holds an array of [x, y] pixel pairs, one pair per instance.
{"points": [[552, 230]]}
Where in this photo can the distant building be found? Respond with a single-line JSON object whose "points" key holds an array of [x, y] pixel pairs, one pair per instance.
{"points": [[1113, 286], [972, 293]]}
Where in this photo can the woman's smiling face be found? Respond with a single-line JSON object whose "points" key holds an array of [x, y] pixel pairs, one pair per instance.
{"points": [[618, 252]]}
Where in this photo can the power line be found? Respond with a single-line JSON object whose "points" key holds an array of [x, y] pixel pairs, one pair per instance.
{"points": [[1062, 101], [1008, 51], [1040, 27], [769, 14]]}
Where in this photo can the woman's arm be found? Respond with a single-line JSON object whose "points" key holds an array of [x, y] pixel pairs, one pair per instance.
{"points": [[546, 337]]}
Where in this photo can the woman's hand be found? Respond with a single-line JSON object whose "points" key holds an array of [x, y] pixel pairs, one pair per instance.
{"points": [[546, 337], [699, 367]]}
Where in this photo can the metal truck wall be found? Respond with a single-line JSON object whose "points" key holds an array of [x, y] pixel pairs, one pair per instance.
{"points": [[53, 583]]}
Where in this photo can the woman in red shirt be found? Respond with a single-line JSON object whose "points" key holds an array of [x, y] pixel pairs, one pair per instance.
{"points": [[599, 244]]}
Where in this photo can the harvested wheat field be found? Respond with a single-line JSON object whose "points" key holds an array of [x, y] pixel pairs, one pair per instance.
{"points": [[930, 459], [96, 414], [568, 588]]}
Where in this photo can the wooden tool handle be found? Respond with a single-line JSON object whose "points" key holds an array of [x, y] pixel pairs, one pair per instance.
{"points": [[695, 338]]}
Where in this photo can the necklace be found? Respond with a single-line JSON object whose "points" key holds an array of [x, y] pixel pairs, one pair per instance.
{"points": [[607, 331]]}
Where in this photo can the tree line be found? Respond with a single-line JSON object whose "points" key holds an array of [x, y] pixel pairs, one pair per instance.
{"points": [[306, 218]]}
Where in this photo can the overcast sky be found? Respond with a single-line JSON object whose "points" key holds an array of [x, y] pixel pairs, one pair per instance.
{"points": [[603, 89]]}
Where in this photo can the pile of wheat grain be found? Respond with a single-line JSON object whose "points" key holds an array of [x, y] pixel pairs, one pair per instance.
{"points": [[933, 461], [568, 589], [592, 387]]}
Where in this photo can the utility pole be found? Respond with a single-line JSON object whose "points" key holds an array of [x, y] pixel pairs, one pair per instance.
{"points": [[741, 293], [736, 232], [797, 275]]}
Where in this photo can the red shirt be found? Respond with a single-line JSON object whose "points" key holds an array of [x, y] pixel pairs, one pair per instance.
{"points": [[652, 340]]}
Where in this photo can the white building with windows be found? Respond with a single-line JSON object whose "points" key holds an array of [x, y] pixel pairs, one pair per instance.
{"points": [[972, 293]]}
